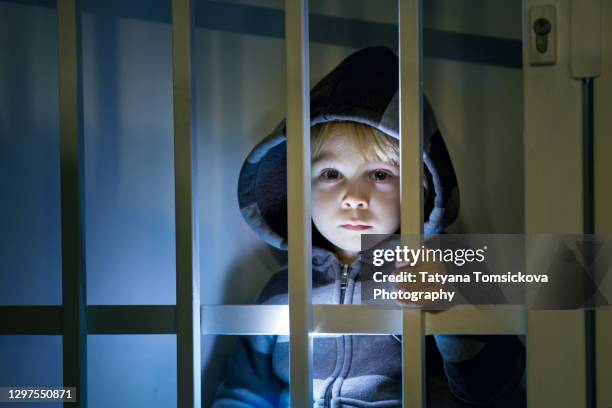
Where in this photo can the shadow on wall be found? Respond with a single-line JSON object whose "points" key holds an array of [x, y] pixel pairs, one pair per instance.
{"points": [[129, 172], [29, 157]]}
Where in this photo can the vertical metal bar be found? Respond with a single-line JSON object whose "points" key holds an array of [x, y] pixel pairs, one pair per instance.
{"points": [[413, 356], [186, 215], [411, 163], [74, 292], [298, 196], [588, 210], [411, 116], [588, 169]]}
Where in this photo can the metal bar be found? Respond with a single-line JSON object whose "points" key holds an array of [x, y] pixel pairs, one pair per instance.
{"points": [[46, 320], [186, 216], [74, 290], [359, 319], [262, 319], [502, 321], [298, 197], [588, 168], [245, 319], [411, 165], [413, 353], [131, 320], [411, 117], [588, 227]]}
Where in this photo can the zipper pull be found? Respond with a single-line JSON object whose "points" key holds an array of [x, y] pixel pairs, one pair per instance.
{"points": [[343, 283]]}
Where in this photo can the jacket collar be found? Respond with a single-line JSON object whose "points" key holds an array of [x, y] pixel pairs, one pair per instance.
{"points": [[326, 261]]}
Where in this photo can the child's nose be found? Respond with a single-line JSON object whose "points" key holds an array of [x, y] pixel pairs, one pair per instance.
{"points": [[354, 200]]}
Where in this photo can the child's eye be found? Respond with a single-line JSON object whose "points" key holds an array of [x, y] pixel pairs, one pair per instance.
{"points": [[330, 175], [380, 175]]}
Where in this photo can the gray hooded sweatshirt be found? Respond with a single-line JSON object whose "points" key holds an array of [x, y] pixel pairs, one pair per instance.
{"points": [[354, 370]]}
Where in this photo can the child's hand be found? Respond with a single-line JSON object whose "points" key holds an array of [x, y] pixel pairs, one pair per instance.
{"points": [[420, 284]]}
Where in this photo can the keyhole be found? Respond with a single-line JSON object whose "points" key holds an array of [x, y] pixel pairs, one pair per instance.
{"points": [[541, 28]]}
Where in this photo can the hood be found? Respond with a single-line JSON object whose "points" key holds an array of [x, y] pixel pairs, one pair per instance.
{"points": [[362, 88]]}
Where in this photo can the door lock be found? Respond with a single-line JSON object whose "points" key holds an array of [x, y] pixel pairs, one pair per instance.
{"points": [[542, 35], [541, 28]]}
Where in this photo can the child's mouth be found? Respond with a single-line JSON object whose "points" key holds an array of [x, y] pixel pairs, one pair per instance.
{"points": [[357, 227]]}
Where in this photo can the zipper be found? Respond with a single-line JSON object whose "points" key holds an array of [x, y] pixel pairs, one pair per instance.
{"points": [[343, 283]]}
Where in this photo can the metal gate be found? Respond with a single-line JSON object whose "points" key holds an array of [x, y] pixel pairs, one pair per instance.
{"points": [[567, 102]]}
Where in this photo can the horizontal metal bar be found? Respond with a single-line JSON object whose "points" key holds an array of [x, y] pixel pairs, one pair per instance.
{"points": [[245, 319], [262, 319], [359, 319], [502, 321], [131, 320], [45, 320]]}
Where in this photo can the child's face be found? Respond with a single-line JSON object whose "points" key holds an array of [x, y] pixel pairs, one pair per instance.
{"points": [[351, 195]]}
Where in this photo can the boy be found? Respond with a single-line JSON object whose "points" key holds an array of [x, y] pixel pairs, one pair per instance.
{"points": [[355, 190]]}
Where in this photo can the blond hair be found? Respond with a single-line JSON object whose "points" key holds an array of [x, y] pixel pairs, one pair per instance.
{"points": [[372, 144]]}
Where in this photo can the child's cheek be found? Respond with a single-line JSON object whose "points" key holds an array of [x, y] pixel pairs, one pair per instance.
{"points": [[322, 201], [389, 189], [318, 194]]}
